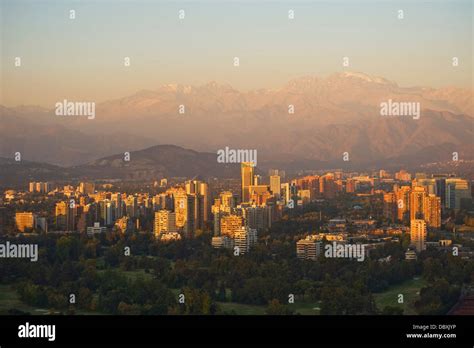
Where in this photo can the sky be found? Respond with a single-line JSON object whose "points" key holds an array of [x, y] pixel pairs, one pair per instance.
{"points": [[82, 59]]}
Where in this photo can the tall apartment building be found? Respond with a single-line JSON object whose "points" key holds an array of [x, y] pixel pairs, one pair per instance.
{"points": [[245, 239], [165, 222], [247, 174], [230, 224], [418, 234], [24, 221]]}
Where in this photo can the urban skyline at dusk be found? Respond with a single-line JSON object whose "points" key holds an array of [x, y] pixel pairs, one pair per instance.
{"points": [[278, 164]]}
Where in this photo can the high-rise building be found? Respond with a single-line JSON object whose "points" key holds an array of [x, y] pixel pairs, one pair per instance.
{"points": [[275, 185], [247, 169], [65, 216], [418, 234], [417, 203], [190, 226], [202, 201], [230, 224], [181, 207], [285, 192], [390, 206], [432, 211], [457, 190], [245, 239], [24, 221], [165, 222], [403, 202], [43, 187]]}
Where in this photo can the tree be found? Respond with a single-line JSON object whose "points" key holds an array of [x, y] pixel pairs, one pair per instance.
{"points": [[276, 308]]}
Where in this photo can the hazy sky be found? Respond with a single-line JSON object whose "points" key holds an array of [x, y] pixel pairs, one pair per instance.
{"points": [[83, 59]]}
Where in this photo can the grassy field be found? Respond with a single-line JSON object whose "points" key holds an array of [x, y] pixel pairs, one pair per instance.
{"points": [[131, 275], [242, 309], [410, 291], [9, 299]]}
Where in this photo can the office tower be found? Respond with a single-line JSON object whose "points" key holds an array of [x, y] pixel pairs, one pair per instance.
{"points": [[441, 190], [230, 224], [418, 234], [190, 225], [247, 169], [24, 221], [308, 249], [457, 191], [217, 222], [116, 198], [61, 212], [390, 208], [403, 202], [432, 211], [131, 206], [417, 203], [180, 207], [275, 185], [245, 239], [202, 201], [32, 187], [86, 188], [107, 210], [165, 222], [65, 216], [285, 192]]}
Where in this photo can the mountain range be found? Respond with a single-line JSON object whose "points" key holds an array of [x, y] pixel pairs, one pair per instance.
{"points": [[332, 115]]}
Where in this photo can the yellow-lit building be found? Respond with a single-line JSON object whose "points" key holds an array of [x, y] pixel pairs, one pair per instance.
{"points": [[24, 221], [247, 170], [418, 234], [230, 224]]}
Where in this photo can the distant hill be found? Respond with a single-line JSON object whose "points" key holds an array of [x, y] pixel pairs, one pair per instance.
{"points": [[159, 161]]}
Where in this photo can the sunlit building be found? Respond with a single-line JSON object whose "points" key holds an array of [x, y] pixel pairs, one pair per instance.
{"points": [[24, 221], [247, 172], [418, 234]]}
